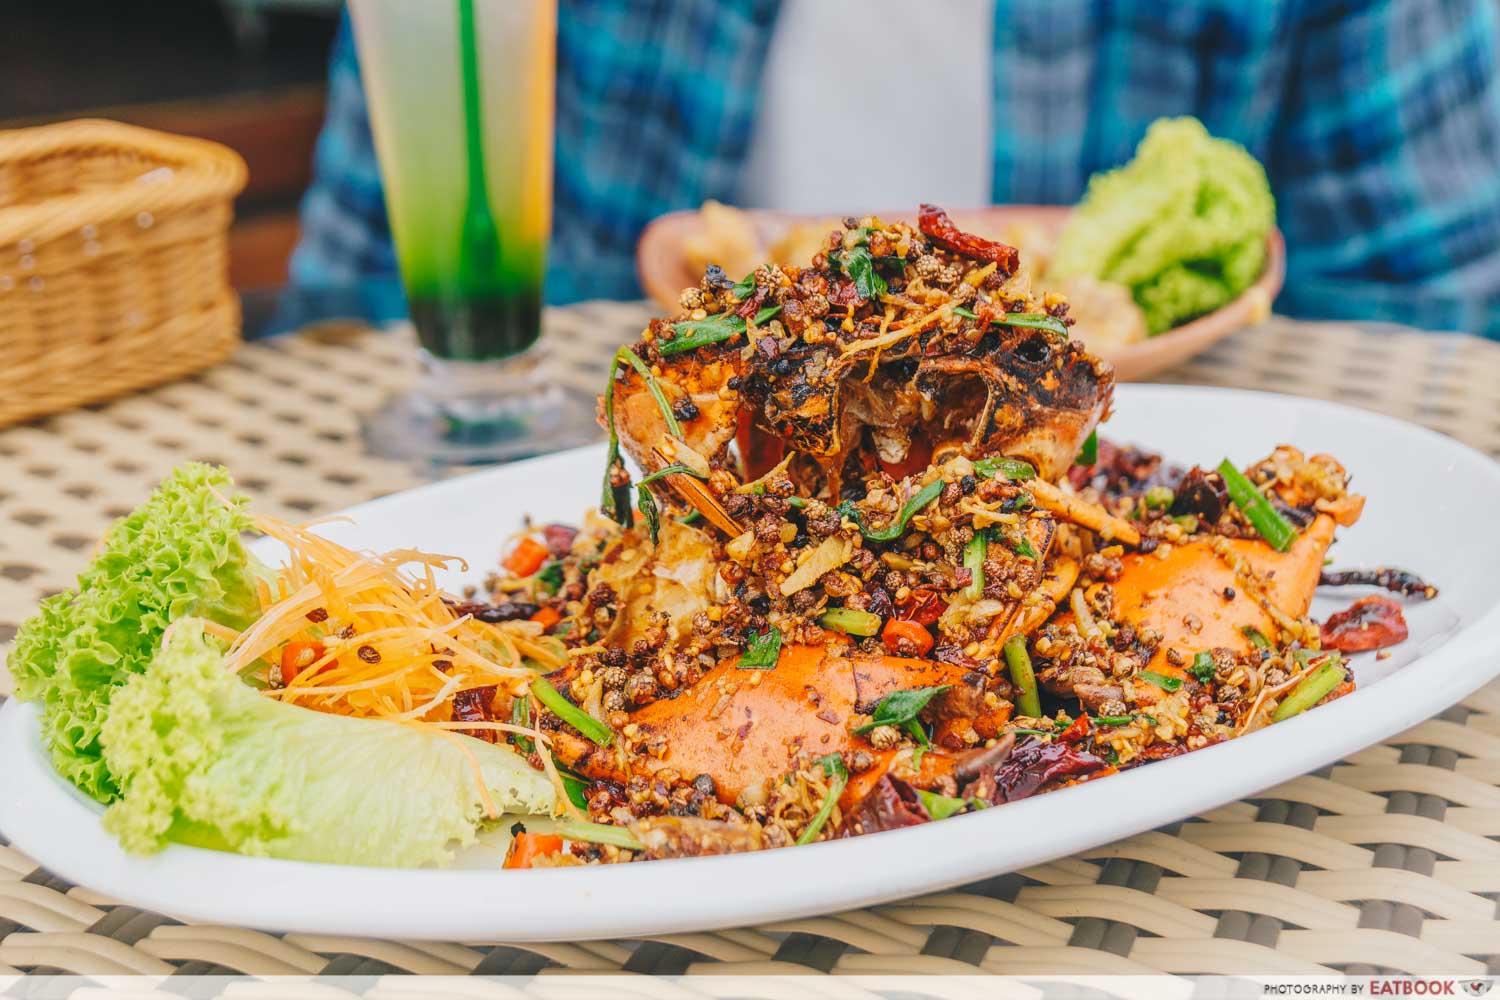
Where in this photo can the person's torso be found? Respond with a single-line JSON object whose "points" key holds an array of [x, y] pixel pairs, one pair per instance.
{"points": [[660, 105], [847, 105]]}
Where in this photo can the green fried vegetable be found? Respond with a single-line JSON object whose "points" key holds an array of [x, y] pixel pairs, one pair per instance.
{"points": [[1256, 636], [570, 713], [1312, 689], [901, 707], [897, 528], [974, 555], [575, 787], [1036, 321], [520, 715], [645, 502], [695, 333], [1089, 453], [1158, 498], [940, 806], [1160, 680], [1029, 702], [850, 621], [860, 266], [1000, 467], [838, 779], [1264, 518]]}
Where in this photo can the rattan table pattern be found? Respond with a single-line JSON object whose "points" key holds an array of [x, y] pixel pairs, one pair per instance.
{"points": [[1388, 861]]}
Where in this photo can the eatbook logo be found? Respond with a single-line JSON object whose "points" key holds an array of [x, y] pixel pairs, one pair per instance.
{"points": [[1476, 987]]}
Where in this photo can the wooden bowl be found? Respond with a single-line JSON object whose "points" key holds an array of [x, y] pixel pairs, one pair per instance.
{"points": [[665, 272]]}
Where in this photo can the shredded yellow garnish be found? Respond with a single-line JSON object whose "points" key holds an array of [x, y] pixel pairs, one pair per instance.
{"points": [[392, 648], [900, 333]]}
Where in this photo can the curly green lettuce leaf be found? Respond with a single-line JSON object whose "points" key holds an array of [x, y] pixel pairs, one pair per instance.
{"points": [[179, 554], [1182, 225], [201, 758]]}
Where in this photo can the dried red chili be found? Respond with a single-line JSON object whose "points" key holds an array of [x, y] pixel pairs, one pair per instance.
{"points": [[1398, 580], [476, 705], [752, 303], [938, 228], [1034, 763], [889, 805], [1078, 730], [1373, 622], [559, 539], [922, 606]]}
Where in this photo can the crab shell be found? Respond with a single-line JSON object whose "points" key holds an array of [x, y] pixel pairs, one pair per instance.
{"points": [[1019, 392]]}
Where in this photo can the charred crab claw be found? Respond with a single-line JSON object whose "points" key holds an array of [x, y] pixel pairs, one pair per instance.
{"points": [[690, 486], [1022, 392], [670, 429], [899, 345]]}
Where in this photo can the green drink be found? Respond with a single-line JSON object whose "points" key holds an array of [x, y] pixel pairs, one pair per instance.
{"points": [[460, 96]]}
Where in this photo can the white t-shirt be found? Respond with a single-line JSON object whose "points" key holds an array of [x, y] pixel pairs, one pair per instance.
{"points": [[874, 105]]}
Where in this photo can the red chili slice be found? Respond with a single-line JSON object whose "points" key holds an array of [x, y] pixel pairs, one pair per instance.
{"points": [[1077, 731], [474, 705], [938, 228], [559, 539], [924, 607], [752, 303], [843, 293], [1373, 622]]}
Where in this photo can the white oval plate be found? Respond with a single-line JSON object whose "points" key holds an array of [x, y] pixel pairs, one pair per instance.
{"points": [[1430, 501]]}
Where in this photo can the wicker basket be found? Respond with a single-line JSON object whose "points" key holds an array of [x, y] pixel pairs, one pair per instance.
{"points": [[114, 262]]}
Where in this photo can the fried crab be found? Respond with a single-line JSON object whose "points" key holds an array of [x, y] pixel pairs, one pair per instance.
{"points": [[874, 529], [897, 346]]}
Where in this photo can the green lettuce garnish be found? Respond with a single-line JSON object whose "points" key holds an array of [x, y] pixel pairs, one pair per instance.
{"points": [[1183, 225], [178, 555], [201, 758]]}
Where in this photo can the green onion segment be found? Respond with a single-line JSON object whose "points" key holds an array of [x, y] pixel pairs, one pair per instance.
{"points": [[851, 622], [1022, 676], [571, 713], [1310, 690], [1264, 518]]}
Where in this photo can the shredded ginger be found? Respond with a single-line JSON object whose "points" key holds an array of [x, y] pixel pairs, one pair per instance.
{"points": [[392, 647]]}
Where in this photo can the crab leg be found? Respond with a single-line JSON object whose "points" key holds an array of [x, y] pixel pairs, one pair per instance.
{"points": [[698, 496], [1076, 510], [746, 727]]}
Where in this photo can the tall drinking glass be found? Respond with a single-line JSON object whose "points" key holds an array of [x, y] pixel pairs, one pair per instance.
{"points": [[460, 97]]}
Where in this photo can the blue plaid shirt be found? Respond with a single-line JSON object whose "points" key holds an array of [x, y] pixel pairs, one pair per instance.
{"points": [[1378, 123]]}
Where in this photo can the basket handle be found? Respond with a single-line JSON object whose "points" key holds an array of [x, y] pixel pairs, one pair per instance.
{"points": [[201, 170]]}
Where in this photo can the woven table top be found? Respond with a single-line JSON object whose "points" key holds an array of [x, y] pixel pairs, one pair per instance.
{"points": [[1388, 861]]}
